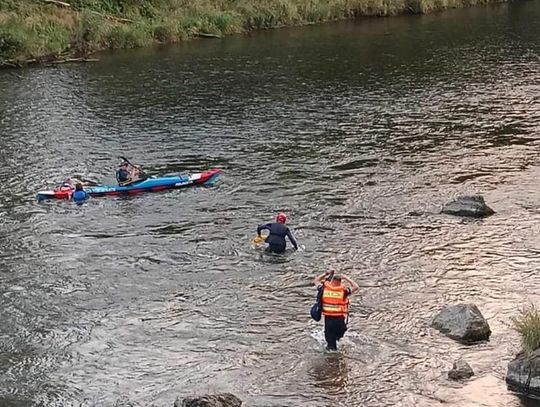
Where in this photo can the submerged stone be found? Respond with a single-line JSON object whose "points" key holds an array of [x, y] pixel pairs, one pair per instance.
{"points": [[210, 400], [463, 322], [460, 370], [471, 206]]}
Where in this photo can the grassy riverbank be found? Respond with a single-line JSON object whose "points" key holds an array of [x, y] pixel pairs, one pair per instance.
{"points": [[527, 324], [42, 30]]}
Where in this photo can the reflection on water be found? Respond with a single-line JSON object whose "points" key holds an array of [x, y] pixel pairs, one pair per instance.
{"points": [[329, 372], [360, 131]]}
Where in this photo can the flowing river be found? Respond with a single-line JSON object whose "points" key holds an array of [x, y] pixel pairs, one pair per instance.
{"points": [[358, 130]]}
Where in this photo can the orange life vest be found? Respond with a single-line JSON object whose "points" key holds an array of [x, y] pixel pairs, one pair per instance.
{"points": [[334, 301]]}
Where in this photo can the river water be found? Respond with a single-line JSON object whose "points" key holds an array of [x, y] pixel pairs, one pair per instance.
{"points": [[358, 130]]}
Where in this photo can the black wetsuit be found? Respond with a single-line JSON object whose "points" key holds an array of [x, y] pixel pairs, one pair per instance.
{"points": [[276, 238]]}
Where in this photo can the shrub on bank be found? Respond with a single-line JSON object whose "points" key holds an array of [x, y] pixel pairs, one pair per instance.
{"points": [[11, 42], [527, 324], [128, 36], [33, 30]]}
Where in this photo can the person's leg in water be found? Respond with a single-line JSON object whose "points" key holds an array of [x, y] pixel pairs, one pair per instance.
{"points": [[341, 328], [331, 331], [334, 330]]}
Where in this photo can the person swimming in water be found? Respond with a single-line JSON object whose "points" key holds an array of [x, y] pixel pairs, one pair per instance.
{"points": [[278, 231]]}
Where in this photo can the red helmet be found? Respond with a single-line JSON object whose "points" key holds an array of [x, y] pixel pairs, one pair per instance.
{"points": [[281, 217]]}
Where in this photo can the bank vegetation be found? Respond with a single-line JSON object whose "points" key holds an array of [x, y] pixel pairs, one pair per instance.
{"points": [[527, 324], [53, 30]]}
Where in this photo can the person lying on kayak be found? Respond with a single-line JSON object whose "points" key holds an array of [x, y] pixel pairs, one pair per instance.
{"points": [[124, 175], [278, 232], [79, 195]]}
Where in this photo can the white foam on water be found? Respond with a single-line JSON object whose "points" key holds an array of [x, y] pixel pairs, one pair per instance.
{"points": [[359, 338], [319, 337], [347, 341], [351, 339]]}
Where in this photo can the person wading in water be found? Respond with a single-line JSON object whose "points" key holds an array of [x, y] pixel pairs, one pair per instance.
{"points": [[335, 305], [278, 232]]}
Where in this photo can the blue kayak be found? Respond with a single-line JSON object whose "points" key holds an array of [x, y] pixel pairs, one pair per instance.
{"points": [[151, 184]]}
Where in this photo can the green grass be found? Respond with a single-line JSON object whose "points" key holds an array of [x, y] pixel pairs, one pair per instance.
{"points": [[527, 324], [32, 29]]}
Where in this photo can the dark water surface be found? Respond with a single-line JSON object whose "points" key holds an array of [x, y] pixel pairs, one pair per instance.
{"points": [[360, 131]]}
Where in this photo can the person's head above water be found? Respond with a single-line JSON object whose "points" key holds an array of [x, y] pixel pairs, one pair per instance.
{"points": [[281, 218], [78, 187], [332, 277], [123, 164], [336, 279]]}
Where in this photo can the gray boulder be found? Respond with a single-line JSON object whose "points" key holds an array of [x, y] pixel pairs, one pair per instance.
{"points": [[460, 371], [210, 400], [523, 374], [471, 206], [462, 322]]}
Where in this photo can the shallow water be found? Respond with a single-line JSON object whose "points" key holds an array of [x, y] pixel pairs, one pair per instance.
{"points": [[359, 131]]}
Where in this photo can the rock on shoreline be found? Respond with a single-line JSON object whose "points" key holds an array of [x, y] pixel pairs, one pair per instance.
{"points": [[523, 374]]}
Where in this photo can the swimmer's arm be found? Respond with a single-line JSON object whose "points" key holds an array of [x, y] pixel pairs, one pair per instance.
{"points": [[262, 227], [292, 239]]}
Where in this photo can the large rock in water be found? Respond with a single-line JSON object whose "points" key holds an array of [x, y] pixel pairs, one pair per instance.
{"points": [[523, 374], [210, 400], [472, 206], [463, 322], [460, 370]]}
